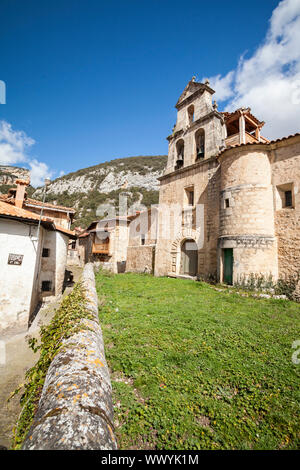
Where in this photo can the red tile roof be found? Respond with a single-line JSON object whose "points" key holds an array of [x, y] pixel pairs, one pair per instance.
{"points": [[258, 143], [10, 210], [227, 115], [48, 204], [13, 211], [35, 202], [59, 228]]}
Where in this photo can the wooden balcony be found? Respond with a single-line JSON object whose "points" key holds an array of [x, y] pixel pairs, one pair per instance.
{"points": [[100, 248], [234, 139], [100, 244]]}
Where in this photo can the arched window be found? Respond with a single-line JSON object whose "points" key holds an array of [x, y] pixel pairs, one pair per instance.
{"points": [[179, 154], [190, 112], [200, 144]]}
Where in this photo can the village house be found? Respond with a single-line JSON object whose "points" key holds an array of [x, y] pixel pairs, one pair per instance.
{"points": [[237, 195], [33, 254], [105, 241], [61, 215], [142, 241]]}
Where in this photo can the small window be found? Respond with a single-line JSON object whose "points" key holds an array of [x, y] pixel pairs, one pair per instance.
{"points": [[46, 253], [191, 114], [180, 154], [285, 196], [143, 238], [46, 286], [200, 144], [227, 203], [190, 196], [288, 198]]}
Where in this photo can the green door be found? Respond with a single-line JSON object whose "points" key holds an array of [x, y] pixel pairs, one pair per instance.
{"points": [[228, 265]]}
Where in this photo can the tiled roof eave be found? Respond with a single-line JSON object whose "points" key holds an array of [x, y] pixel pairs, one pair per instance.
{"points": [[263, 144]]}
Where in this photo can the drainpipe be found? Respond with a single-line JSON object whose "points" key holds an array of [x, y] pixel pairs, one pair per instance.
{"points": [[47, 182]]}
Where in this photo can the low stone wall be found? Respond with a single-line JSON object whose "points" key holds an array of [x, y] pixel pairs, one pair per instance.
{"points": [[140, 259], [75, 410]]}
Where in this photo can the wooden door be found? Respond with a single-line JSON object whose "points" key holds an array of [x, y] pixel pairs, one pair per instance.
{"points": [[189, 258]]}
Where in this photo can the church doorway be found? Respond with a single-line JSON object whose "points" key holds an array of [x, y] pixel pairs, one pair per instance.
{"points": [[228, 266], [189, 258]]}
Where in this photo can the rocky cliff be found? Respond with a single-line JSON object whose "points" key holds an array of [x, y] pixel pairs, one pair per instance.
{"points": [[9, 174], [87, 188]]}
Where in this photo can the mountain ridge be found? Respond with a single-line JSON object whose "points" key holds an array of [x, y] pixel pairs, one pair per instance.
{"points": [[87, 188]]}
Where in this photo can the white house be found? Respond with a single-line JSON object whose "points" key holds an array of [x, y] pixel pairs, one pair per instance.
{"points": [[33, 254]]}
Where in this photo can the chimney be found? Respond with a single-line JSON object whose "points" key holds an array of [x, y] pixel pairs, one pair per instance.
{"points": [[20, 193]]}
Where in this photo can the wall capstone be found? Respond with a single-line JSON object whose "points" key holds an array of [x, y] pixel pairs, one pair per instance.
{"points": [[75, 410]]}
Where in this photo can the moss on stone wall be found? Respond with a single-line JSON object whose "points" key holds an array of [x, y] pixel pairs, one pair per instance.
{"points": [[64, 324]]}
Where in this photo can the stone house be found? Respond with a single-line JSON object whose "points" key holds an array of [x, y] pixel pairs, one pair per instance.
{"points": [[229, 201], [61, 215], [142, 241], [105, 241], [33, 255]]}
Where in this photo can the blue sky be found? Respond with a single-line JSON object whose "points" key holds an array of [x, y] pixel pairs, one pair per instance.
{"points": [[88, 81]]}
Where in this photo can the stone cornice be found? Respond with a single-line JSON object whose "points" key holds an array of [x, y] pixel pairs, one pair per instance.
{"points": [[191, 98], [188, 168], [254, 146], [195, 124]]}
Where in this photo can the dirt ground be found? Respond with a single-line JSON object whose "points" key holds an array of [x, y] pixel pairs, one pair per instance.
{"points": [[18, 359]]}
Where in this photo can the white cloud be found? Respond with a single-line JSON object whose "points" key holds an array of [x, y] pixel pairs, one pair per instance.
{"points": [[38, 172], [14, 146], [222, 85], [269, 80]]}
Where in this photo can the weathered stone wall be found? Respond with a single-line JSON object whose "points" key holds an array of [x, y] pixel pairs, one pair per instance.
{"points": [[205, 118], [285, 164], [204, 177], [118, 247], [247, 220], [75, 410], [251, 255], [73, 258], [246, 185], [59, 217], [140, 259], [142, 241], [61, 260]]}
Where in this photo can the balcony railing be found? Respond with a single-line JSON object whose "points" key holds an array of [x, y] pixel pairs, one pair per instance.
{"points": [[100, 248], [235, 139]]}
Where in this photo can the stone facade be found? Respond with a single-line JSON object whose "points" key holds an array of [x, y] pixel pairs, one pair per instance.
{"points": [[230, 193], [106, 242], [142, 242]]}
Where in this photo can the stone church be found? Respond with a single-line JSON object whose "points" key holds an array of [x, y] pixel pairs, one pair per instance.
{"points": [[229, 201]]}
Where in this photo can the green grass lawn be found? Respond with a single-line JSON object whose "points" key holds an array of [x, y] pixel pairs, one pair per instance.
{"points": [[193, 368]]}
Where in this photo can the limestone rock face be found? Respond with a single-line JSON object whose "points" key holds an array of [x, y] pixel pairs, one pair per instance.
{"points": [[110, 177], [88, 188], [9, 174]]}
